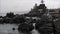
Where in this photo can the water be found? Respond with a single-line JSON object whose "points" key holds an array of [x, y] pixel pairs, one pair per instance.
{"points": [[7, 29]]}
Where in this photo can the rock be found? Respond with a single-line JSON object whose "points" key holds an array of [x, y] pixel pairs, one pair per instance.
{"points": [[13, 28], [25, 27], [43, 28]]}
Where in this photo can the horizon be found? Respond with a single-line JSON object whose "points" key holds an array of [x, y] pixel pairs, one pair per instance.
{"points": [[24, 6]]}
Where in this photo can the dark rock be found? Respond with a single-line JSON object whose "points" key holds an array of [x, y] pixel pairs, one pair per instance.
{"points": [[43, 28], [25, 27], [13, 28]]}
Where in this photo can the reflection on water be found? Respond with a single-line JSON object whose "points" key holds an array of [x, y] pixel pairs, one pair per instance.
{"points": [[7, 29]]}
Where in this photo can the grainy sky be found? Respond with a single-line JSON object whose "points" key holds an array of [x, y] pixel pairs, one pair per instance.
{"points": [[23, 6]]}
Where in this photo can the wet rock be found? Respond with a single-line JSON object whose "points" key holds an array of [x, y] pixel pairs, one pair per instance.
{"points": [[42, 28], [13, 28], [25, 27]]}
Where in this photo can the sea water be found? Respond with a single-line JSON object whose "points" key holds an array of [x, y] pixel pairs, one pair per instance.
{"points": [[8, 29]]}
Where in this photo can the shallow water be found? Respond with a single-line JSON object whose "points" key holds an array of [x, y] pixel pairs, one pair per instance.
{"points": [[7, 29]]}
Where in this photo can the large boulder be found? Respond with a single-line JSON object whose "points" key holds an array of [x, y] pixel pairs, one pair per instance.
{"points": [[25, 27], [57, 25], [45, 25]]}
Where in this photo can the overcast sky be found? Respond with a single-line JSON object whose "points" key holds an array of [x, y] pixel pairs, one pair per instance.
{"points": [[23, 6]]}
